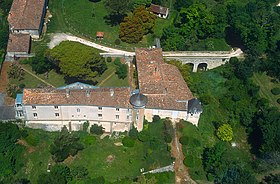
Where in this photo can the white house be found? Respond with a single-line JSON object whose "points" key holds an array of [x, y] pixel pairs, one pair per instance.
{"points": [[160, 11]]}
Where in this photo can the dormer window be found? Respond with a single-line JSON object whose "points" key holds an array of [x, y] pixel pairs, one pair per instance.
{"points": [[78, 110], [55, 107], [100, 108], [117, 109], [33, 107]]}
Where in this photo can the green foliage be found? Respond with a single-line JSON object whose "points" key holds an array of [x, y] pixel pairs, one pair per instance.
{"points": [[133, 133], [77, 60], [275, 91], [225, 133], [137, 3], [237, 176], [88, 139], [65, 144], [62, 170], [120, 7], [156, 118], [109, 59], [12, 90], [121, 69], [135, 26], [99, 180], [79, 172], [51, 178], [128, 142], [10, 152], [96, 129], [85, 126], [272, 179], [278, 100], [15, 72]]}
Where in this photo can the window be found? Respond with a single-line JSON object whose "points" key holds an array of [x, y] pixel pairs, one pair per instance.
{"points": [[99, 115], [117, 109], [33, 107], [56, 114], [35, 115], [55, 107], [85, 116], [127, 117], [117, 117], [100, 108], [78, 110]]}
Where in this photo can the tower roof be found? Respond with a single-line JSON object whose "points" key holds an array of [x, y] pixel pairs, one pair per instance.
{"points": [[138, 100]]}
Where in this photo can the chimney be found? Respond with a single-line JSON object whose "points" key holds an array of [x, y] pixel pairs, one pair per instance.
{"points": [[111, 92], [88, 93], [67, 92]]}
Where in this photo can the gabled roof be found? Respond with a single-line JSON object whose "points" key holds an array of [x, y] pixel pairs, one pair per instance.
{"points": [[18, 43], [26, 14], [158, 9], [105, 96], [162, 83]]}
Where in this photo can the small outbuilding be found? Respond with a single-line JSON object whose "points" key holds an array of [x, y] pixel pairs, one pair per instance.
{"points": [[18, 45], [160, 11], [99, 35]]}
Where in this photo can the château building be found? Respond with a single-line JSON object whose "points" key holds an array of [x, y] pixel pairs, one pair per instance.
{"points": [[162, 91]]}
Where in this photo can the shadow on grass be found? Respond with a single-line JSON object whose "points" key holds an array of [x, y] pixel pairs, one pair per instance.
{"points": [[114, 19], [70, 80]]}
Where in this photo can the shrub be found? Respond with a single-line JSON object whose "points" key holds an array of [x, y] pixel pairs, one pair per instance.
{"points": [[95, 129], [128, 142], [133, 133], [85, 126], [109, 59], [278, 100], [189, 161], [225, 133], [156, 118], [88, 139], [275, 91], [117, 41], [167, 138], [184, 140]]}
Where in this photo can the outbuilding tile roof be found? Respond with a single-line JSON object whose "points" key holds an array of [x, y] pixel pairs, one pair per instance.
{"points": [[18, 43], [26, 14], [158, 9]]}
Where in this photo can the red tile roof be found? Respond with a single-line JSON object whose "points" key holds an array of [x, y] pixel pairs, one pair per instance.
{"points": [[26, 14], [18, 43], [158, 9], [106, 97], [100, 34], [162, 83]]}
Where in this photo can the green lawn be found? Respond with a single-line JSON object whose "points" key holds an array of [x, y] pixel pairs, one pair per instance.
{"points": [[29, 81], [264, 81]]}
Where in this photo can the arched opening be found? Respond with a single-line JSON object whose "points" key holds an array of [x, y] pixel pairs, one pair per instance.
{"points": [[202, 67], [190, 66]]}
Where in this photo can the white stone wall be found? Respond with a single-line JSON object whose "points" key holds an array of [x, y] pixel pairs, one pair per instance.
{"points": [[172, 114], [34, 33], [113, 119]]}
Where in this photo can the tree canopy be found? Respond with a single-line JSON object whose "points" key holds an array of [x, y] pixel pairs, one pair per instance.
{"points": [[77, 61]]}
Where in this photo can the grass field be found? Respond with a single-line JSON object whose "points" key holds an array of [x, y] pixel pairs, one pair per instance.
{"points": [[264, 81], [29, 81]]}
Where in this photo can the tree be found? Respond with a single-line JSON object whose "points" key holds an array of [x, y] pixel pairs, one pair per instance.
{"points": [[137, 3], [121, 69], [237, 175], [128, 142], [135, 26], [272, 179], [120, 7], [79, 172], [65, 144], [77, 60], [62, 170], [12, 90], [95, 129], [224, 132], [15, 72], [51, 178]]}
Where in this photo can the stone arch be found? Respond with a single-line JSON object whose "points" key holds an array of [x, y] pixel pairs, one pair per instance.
{"points": [[202, 66], [190, 65]]}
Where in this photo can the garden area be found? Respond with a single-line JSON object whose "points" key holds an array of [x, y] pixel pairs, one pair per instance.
{"points": [[232, 137], [83, 157]]}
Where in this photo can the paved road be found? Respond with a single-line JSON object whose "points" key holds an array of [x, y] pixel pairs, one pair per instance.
{"points": [[59, 37]]}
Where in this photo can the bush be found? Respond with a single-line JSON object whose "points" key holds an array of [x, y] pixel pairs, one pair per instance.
{"points": [[95, 129], [128, 142], [133, 133], [225, 133], [275, 91], [117, 41], [189, 161], [85, 126], [88, 139], [184, 140], [109, 59], [278, 100], [156, 118]]}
